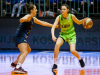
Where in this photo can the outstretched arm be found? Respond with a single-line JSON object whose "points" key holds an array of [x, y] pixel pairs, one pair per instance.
{"points": [[76, 20], [53, 29], [43, 23]]}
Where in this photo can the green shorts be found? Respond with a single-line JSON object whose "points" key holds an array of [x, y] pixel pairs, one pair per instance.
{"points": [[70, 37]]}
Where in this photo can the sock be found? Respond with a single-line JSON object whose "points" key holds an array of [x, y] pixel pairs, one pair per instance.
{"points": [[55, 60], [18, 65]]}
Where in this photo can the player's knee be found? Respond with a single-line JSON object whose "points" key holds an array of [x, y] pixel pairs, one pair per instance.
{"points": [[29, 50], [25, 52], [57, 45]]}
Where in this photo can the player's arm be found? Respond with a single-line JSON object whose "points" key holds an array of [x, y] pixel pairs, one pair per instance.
{"points": [[43, 23], [26, 18], [54, 26], [76, 20]]}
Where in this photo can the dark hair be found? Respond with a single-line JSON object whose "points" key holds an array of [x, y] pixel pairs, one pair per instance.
{"points": [[67, 7], [29, 7]]}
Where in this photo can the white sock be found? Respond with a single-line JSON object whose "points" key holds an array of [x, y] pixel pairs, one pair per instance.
{"points": [[18, 65], [55, 60]]}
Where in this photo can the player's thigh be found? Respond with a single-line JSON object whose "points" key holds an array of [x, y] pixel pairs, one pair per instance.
{"points": [[72, 43], [60, 41]]}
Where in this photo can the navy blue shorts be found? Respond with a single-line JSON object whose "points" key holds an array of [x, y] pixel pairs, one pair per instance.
{"points": [[19, 40]]}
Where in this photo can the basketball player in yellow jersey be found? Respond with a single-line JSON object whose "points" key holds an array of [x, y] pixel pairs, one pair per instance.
{"points": [[67, 34]]}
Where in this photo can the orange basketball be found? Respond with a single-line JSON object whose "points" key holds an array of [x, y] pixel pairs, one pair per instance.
{"points": [[87, 23]]}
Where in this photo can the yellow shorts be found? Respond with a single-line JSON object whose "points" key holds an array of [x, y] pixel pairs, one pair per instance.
{"points": [[70, 37]]}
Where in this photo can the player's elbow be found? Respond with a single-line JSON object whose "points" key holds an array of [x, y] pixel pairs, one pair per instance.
{"points": [[52, 29]]}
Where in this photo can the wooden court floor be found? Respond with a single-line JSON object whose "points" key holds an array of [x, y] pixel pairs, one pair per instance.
{"points": [[40, 63]]}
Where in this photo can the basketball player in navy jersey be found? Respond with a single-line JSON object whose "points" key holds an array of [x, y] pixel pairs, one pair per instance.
{"points": [[26, 24]]}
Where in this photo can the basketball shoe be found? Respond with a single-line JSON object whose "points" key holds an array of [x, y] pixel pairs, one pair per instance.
{"points": [[20, 70], [13, 65], [82, 63]]}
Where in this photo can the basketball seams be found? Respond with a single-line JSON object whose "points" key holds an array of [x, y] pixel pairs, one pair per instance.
{"points": [[87, 23], [88, 20]]}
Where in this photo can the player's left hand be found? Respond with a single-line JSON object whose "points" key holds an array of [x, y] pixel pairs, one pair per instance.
{"points": [[54, 38]]}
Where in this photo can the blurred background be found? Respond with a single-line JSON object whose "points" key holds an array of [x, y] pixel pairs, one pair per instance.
{"points": [[50, 8], [40, 37]]}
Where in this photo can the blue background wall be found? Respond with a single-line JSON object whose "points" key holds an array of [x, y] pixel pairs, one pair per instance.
{"points": [[40, 37]]}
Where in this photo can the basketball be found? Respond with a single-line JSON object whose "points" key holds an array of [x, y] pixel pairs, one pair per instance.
{"points": [[87, 23]]}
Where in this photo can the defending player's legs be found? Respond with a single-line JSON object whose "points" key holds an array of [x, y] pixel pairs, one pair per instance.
{"points": [[24, 52], [13, 64]]}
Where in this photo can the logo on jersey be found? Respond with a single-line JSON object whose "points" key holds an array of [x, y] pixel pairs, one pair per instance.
{"points": [[25, 41], [65, 26], [26, 36]]}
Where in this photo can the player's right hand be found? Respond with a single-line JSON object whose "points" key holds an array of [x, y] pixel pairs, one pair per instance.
{"points": [[54, 38]]}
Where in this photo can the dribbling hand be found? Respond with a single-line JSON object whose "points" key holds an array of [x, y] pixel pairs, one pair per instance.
{"points": [[54, 39]]}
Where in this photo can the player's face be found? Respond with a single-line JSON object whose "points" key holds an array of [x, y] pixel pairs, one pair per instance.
{"points": [[64, 10], [34, 11]]}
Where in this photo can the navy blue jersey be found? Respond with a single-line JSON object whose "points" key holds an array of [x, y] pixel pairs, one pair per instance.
{"points": [[24, 29]]}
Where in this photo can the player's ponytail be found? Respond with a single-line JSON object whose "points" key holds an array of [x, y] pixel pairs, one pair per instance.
{"points": [[29, 7], [70, 12]]}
